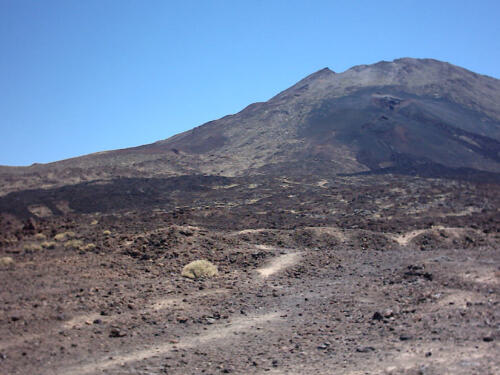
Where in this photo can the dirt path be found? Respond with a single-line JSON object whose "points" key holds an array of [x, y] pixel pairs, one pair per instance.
{"points": [[405, 238], [449, 233], [214, 334], [279, 263], [86, 319]]}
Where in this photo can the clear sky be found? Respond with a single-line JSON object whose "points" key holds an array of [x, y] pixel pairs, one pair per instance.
{"points": [[81, 76]]}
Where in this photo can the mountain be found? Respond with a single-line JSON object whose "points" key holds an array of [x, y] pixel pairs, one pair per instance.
{"points": [[335, 252], [409, 116]]}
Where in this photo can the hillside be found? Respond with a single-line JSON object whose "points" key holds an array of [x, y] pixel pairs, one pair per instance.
{"points": [[410, 116]]}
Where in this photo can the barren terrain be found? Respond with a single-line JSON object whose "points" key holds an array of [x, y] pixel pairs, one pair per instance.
{"points": [[351, 275]]}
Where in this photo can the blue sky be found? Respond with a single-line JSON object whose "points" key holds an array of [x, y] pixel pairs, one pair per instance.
{"points": [[81, 76]]}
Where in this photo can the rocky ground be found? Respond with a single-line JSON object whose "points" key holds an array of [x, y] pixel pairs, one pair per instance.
{"points": [[357, 275]]}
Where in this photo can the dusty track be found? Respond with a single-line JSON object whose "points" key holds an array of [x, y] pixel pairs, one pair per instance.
{"points": [[280, 263], [215, 333]]}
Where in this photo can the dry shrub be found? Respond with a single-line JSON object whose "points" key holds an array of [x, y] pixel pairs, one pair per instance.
{"points": [[48, 244], [64, 236], [11, 241], [6, 261], [73, 244], [199, 269], [31, 246], [88, 247], [40, 237], [106, 232]]}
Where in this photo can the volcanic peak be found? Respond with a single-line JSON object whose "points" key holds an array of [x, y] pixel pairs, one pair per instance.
{"points": [[444, 116]]}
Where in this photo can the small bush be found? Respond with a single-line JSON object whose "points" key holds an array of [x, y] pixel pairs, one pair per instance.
{"points": [[199, 269], [106, 232], [64, 236], [73, 244], [40, 236], [31, 246], [48, 244], [11, 241], [6, 261], [94, 222], [88, 247]]}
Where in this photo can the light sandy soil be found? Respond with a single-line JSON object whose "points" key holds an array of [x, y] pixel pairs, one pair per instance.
{"points": [[279, 263]]}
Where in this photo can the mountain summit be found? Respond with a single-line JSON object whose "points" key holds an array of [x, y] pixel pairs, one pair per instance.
{"points": [[404, 116]]}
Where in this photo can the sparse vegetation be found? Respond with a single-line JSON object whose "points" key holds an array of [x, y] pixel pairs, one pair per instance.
{"points": [[106, 232], [73, 244], [11, 241], [88, 247], [32, 246], [199, 269], [94, 222], [40, 237], [48, 244], [6, 261], [63, 236]]}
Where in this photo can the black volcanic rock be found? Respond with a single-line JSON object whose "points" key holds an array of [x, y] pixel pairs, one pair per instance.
{"points": [[406, 116]]}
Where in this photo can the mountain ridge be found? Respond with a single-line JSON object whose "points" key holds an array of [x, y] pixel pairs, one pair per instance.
{"points": [[398, 113]]}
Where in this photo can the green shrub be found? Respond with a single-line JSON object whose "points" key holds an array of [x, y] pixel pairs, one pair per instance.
{"points": [[199, 269]]}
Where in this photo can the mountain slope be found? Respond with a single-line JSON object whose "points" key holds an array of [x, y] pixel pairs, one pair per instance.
{"points": [[408, 115]]}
